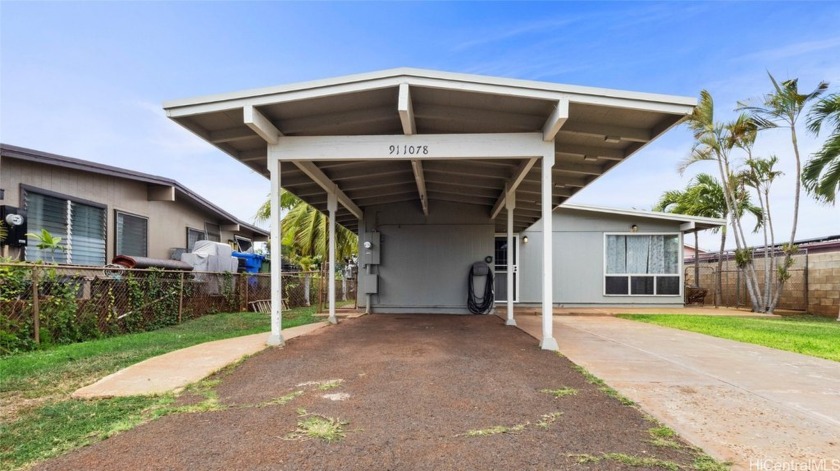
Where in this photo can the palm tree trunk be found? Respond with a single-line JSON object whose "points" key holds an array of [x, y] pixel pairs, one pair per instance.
{"points": [[307, 281], [740, 240], [788, 253], [767, 282]]}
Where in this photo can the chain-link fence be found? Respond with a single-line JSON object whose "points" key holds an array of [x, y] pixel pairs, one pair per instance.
{"points": [[733, 286], [63, 304]]}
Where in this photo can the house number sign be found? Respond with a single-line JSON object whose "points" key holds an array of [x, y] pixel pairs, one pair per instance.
{"points": [[408, 150]]}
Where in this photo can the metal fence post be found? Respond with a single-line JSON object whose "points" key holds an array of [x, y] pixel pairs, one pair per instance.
{"points": [[36, 308], [180, 297], [805, 275], [247, 282]]}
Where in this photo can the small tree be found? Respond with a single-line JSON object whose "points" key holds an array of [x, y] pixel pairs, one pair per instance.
{"points": [[47, 241]]}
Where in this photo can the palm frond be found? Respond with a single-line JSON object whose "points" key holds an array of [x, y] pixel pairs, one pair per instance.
{"points": [[825, 111]]}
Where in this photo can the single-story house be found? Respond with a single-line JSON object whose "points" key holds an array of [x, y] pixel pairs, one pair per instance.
{"points": [[427, 167], [605, 257], [101, 211]]}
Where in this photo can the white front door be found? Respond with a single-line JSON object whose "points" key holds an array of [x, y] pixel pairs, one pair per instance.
{"points": [[501, 269]]}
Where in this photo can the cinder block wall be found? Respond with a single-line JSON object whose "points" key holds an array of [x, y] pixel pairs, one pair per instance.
{"points": [[823, 283]]}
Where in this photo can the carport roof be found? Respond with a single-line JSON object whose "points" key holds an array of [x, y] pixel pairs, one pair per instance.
{"points": [[593, 130]]}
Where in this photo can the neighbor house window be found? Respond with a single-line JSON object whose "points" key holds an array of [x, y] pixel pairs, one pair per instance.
{"points": [[193, 236], [243, 244], [642, 265], [132, 235], [80, 224], [213, 231]]}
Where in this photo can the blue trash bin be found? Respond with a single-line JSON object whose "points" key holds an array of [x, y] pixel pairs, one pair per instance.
{"points": [[253, 261]]}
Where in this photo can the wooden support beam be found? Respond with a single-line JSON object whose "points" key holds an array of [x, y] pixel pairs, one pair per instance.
{"points": [[318, 177], [260, 124], [406, 111], [417, 168], [556, 120], [518, 176]]}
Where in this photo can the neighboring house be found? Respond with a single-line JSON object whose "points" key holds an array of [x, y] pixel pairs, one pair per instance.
{"points": [[101, 211], [690, 250], [605, 256]]}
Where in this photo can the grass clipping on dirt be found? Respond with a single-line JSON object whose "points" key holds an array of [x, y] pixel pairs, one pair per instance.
{"points": [[328, 429], [39, 420], [808, 335]]}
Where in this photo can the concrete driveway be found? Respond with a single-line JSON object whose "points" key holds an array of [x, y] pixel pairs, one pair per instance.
{"points": [[756, 407]]}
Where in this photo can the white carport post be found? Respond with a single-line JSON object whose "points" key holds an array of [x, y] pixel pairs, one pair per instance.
{"points": [[276, 336], [550, 129], [332, 206], [510, 205], [271, 135], [547, 342]]}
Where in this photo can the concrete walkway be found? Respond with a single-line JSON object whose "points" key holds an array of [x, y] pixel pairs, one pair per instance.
{"points": [[175, 370], [756, 407]]}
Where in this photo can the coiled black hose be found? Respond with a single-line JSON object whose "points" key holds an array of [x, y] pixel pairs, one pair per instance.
{"points": [[476, 304]]}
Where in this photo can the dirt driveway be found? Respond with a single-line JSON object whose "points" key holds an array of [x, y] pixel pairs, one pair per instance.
{"points": [[414, 392]]}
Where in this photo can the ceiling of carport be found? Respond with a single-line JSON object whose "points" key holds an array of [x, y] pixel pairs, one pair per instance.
{"points": [[603, 128]]}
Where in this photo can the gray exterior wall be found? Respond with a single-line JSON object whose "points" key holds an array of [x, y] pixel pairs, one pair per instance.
{"points": [[579, 259], [167, 220], [425, 262]]}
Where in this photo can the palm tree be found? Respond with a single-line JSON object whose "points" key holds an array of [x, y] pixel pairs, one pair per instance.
{"points": [[714, 141], [305, 233], [782, 108], [821, 176], [760, 175], [704, 197]]}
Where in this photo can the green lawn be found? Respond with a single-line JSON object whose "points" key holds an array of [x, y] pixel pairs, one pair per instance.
{"points": [[809, 335], [38, 420]]}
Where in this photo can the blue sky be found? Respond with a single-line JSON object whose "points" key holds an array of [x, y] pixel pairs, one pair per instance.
{"points": [[87, 79]]}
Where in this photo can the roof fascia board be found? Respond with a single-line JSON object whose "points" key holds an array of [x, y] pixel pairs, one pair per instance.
{"points": [[222, 103], [432, 79], [647, 214]]}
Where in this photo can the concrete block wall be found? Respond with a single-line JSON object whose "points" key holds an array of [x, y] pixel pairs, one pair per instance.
{"points": [[823, 283]]}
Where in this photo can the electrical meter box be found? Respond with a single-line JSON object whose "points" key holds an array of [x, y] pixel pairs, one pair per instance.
{"points": [[16, 226], [371, 248]]}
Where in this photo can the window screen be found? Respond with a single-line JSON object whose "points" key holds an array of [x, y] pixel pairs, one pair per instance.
{"points": [[81, 228], [132, 235]]}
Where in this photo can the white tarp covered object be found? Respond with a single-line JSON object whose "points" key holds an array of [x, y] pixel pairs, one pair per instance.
{"points": [[213, 257]]}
